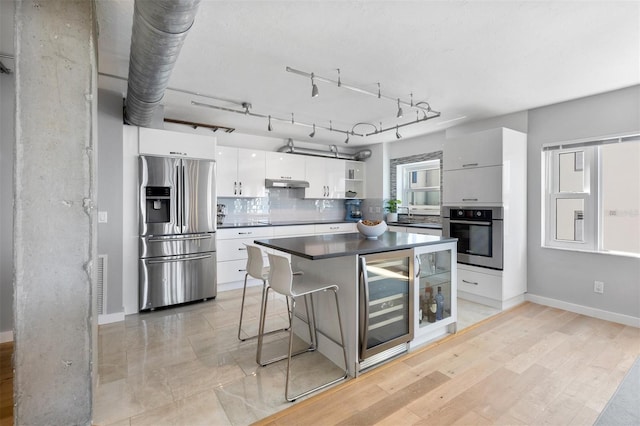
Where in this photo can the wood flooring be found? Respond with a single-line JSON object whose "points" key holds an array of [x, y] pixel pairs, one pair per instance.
{"points": [[530, 365], [6, 384]]}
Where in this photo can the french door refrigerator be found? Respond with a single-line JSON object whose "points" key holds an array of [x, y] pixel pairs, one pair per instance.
{"points": [[177, 231]]}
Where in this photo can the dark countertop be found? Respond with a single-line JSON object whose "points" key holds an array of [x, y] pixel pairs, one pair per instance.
{"points": [[337, 245], [416, 225], [250, 224]]}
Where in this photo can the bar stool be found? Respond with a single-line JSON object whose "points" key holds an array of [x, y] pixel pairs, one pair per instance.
{"points": [[257, 270], [281, 280]]}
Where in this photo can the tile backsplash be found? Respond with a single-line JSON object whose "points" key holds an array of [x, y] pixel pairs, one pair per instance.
{"points": [[282, 204]]}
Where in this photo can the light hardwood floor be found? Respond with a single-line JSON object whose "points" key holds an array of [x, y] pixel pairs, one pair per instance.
{"points": [[530, 365]]}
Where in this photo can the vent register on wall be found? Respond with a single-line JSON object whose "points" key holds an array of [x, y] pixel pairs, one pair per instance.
{"points": [[177, 231]]}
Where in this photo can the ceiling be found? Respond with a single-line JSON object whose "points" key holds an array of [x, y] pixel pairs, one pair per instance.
{"points": [[468, 60]]}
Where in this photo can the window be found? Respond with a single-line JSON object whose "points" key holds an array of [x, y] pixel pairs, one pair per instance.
{"points": [[592, 195], [419, 187]]}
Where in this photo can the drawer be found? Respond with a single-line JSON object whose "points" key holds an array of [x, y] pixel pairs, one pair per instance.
{"points": [[290, 231], [426, 231], [335, 228], [394, 228], [233, 249], [231, 271], [480, 284], [256, 232]]}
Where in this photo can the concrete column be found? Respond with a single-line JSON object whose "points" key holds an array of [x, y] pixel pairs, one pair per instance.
{"points": [[55, 228]]}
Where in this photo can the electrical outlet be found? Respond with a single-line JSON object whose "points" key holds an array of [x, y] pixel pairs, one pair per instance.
{"points": [[598, 287]]}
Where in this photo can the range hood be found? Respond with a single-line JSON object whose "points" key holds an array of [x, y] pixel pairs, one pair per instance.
{"points": [[285, 183]]}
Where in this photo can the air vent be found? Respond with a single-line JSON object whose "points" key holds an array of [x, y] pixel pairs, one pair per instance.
{"points": [[102, 283]]}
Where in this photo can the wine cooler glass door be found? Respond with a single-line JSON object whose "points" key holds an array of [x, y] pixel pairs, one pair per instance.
{"points": [[385, 304]]}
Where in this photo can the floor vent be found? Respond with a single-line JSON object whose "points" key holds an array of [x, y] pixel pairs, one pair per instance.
{"points": [[102, 283]]}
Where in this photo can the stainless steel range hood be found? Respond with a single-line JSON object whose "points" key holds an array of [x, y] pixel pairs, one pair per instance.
{"points": [[284, 183]]}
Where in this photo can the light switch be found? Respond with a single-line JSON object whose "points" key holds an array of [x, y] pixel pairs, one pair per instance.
{"points": [[102, 217]]}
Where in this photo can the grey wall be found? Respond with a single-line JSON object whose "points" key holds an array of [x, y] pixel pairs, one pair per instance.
{"points": [[568, 275], [7, 139], [110, 194]]}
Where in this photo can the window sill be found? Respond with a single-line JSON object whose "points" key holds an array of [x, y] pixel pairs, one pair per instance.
{"points": [[609, 253]]}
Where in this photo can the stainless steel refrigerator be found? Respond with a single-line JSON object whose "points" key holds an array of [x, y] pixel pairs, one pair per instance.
{"points": [[177, 231]]}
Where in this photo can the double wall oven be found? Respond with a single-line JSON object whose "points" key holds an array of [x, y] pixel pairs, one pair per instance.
{"points": [[479, 231]]}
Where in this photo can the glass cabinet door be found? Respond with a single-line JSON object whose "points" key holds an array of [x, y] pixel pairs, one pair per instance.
{"points": [[434, 287]]}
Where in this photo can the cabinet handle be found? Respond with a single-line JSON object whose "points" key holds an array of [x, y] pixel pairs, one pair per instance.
{"points": [[245, 233], [242, 249], [469, 282], [240, 185], [242, 270], [469, 199], [235, 188], [419, 265], [470, 165]]}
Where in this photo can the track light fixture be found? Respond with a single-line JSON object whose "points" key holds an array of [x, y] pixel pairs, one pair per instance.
{"points": [[314, 88], [269, 126], [399, 114], [346, 141], [313, 132], [398, 135]]}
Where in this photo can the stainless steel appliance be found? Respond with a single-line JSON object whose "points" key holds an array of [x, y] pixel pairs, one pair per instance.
{"points": [[479, 232], [386, 314], [177, 231]]}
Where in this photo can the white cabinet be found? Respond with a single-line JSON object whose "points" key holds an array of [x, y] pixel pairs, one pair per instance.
{"points": [[472, 186], [435, 272], [486, 168], [326, 177], [335, 228], [240, 172], [396, 228], [232, 253], [425, 231], [285, 166]]}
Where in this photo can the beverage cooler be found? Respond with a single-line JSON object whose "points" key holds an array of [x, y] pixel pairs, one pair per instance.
{"points": [[386, 305]]}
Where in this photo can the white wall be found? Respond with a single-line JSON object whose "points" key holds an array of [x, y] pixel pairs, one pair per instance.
{"points": [[567, 276]]}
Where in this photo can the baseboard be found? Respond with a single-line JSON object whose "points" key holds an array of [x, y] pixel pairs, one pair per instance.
{"points": [[235, 285], [585, 310], [6, 336], [110, 318]]}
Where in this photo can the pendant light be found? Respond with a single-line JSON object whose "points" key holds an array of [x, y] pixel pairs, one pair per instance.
{"points": [[314, 88]]}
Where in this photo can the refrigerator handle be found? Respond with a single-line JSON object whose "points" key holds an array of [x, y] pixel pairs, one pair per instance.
{"points": [[364, 307], [178, 200], [183, 228], [179, 259]]}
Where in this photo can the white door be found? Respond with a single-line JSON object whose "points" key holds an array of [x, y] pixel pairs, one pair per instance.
{"points": [[335, 172], [227, 171], [251, 172], [316, 176]]}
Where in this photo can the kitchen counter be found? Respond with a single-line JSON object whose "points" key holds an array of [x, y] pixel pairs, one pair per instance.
{"points": [[337, 245], [416, 225], [335, 258], [254, 223]]}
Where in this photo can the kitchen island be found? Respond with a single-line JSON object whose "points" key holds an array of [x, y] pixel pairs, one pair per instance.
{"points": [[336, 258]]}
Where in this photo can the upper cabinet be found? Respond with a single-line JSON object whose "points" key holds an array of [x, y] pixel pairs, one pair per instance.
{"points": [[326, 177], [240, 172], [484, 169], [285, 166]]}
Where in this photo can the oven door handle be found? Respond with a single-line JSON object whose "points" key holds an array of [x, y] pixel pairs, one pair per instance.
{"points": [[470, 222]]}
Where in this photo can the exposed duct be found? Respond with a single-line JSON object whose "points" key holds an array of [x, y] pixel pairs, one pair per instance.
{"points": [[159, 30], [332, 153]]}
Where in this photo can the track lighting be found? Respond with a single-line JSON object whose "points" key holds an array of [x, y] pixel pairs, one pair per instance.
{"points": [[313, 133], [314, 88], [398, 135], [269, 126], [346, 141], [399, 115]]}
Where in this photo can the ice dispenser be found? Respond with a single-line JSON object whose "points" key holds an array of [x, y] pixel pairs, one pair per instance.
{"points": [[158, 204]]}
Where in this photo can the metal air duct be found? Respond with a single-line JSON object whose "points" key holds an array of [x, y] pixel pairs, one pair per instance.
{"points": [[159, 30], [332, 153]]}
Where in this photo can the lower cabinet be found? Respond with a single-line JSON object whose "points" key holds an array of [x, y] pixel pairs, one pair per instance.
{"points": [[232, 253], [435, 296]]}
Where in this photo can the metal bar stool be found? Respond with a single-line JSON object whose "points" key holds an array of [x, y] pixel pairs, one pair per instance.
{"points": [[281, 280], [257, 270]]}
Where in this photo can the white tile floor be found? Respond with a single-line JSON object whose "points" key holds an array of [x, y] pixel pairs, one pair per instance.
{"points": [[185, 365]]}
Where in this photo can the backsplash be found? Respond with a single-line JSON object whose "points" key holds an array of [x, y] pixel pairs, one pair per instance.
{"points": [[282, 204]]}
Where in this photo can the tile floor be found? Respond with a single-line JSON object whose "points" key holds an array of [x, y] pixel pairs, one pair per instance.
{"points": [[186, 365]]}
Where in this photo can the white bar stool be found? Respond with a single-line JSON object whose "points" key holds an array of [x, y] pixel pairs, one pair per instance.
{"points": [[257, 270], [281, 280]]}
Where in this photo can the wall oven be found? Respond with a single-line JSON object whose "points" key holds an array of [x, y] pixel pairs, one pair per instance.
{"points": [[386, 301], [479, 232]]}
